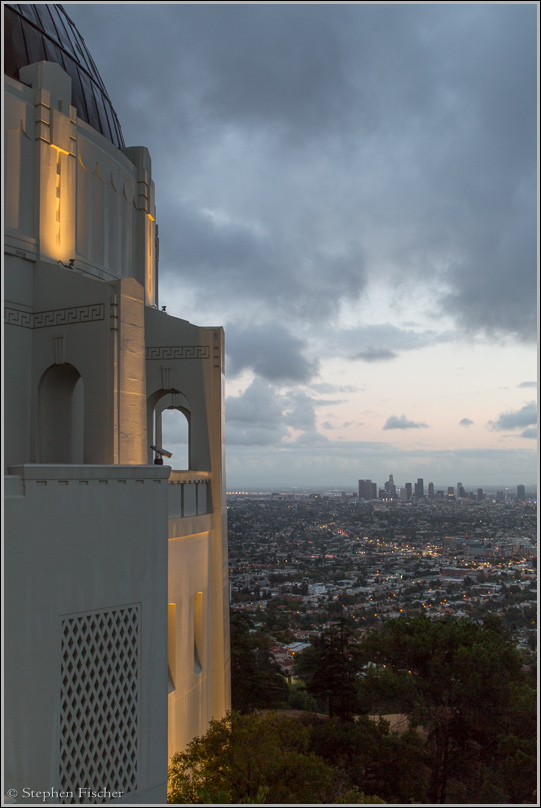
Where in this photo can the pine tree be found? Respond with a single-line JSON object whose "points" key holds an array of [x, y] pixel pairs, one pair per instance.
{"points": [[330, 670]]}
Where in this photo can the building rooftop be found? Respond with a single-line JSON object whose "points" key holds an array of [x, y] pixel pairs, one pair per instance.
{"points": [[45, 33]]}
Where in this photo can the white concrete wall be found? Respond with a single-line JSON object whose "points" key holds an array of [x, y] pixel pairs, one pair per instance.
{"points": [[188, 361], [84, 539], [96, 203]]}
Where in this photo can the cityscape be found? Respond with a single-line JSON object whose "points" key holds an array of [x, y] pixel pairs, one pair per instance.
{"points": [[300, 558], [348, 193]]}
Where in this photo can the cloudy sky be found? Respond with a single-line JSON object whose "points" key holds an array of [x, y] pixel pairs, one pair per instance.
{"points": [[351, 191]]}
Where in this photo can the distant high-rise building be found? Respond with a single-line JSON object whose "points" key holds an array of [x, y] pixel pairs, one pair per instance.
{"points": [[450, 491], [367, 489], [408, 490], [521, 493], [390, 488], [460, 491], [431, 490], [419, 488], [480, 495]]}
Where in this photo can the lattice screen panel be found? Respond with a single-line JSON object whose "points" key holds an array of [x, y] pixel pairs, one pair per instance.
{"points": [[99, 703]]}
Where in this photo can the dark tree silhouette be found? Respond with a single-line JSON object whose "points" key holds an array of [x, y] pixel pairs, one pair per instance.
{"points": [[330, 670], [254, 682], [463, 684]]}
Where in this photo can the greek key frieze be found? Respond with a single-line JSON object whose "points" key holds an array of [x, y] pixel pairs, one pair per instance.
{"points": [[55, 317], [18, 317], [78, 314], [179, 352]]}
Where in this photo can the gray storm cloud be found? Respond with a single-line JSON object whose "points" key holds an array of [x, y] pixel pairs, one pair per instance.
{"points": [[261, 414], [339, 142], [270, 351], [401, 422], [517, 419], [255, 417], [375, 355], [304, 154]]}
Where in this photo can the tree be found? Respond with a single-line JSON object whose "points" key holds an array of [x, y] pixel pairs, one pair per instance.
{"points": [[257, 758], [330, 669], [462, 683], [375, 759], [254, 682]]}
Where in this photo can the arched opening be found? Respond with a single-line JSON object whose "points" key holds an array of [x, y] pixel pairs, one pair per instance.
{"points": [[176, 433], [61, 416], [169, 426]]}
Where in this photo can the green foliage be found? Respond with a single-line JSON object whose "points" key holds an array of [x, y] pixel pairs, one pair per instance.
{"points": [[462, 683], [470, 704], [375, 760], [300, 699], [255, 684], [330, 670], [257, 758]]}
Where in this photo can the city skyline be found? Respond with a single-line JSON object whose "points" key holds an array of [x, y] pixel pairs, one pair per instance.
{"points": [[356, 185], [427, 489], [353, 487]]}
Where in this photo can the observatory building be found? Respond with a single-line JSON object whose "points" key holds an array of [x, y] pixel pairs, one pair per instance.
{"points": [[116, 596]]}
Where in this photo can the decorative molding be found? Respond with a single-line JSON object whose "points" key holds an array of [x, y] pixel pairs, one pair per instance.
{"points": [[166, 377], [178, 352], [59, 349], [77, 314], [113, 314], [18, 317], [54, 317]]}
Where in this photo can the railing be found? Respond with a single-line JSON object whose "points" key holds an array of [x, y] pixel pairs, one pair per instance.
{"points": [[189, 493]]}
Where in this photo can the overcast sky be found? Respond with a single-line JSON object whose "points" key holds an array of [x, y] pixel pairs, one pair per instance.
{"points": [[351, 191]]}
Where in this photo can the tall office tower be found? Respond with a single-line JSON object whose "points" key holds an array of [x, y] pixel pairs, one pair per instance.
{"points": [[431, 490], [408, 490], [460, 491], [450, 491], [500, 496], [480, 495], [116, 586], [419, 488], [521, 493], [392, 487], [367, 489]]}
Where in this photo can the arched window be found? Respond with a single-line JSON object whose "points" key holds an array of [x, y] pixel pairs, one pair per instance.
{"points": [[176, 434], [61, 416], [169, 426]]}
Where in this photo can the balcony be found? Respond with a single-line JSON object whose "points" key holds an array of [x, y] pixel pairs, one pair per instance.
{"points": [[189, 494]]}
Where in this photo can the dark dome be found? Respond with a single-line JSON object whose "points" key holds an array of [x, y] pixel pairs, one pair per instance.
{"points": [[45, 33]]}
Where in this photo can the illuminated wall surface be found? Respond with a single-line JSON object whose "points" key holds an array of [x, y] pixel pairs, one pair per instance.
{"points": [[116, 620]]}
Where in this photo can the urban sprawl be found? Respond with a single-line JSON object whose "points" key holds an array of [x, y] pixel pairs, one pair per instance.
{"points": [[299, 559]]}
